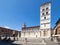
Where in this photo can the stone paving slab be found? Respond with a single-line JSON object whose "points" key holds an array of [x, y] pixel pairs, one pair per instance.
{"points": [[37, 43]]}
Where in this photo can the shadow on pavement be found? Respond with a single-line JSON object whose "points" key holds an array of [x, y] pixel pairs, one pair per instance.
{"points": [[7, 42]]}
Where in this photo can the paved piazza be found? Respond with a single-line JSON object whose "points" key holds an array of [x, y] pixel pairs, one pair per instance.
{"points": [[36, 42]]}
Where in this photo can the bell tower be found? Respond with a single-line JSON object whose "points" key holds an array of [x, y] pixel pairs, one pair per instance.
{"points": [[23, 26], [45, 19]]}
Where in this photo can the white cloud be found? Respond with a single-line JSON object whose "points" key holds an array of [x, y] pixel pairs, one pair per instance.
{"points": [[6, 27]]}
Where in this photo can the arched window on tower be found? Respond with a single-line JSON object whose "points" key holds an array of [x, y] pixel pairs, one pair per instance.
{"points": [[43, 9], [46, 13], [44, 17], [47, 8], [43, 14]]}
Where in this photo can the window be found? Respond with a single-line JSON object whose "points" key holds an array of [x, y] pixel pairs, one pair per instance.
{"points": [[42, 13], [24, 33], [47, 8], [2, 30], [41, 24], [44, 17], [43, 9], [44, 33], [44, 25], [47, 13], [32, 28]]}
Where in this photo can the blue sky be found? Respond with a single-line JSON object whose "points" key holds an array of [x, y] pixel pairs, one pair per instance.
{"points": [[13, 13]]}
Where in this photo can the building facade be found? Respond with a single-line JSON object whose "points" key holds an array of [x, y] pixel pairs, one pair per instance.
{"points": [[8, 33], [56, 31], [44, 29], [45, 19], [30, 32]]}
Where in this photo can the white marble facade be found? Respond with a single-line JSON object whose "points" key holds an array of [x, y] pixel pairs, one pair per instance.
{"points": [[44, 29], [45, 19]]}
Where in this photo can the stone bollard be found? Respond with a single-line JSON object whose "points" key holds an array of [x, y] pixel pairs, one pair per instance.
{"points": [[55, 39], [43, 42]]}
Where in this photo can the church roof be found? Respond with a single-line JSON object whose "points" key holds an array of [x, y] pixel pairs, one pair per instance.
{"points": [[31, 27], [58, 21], [7, 29], [45, 3]]}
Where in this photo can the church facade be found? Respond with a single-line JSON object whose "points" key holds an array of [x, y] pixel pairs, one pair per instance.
{"points": [[42, 31]]}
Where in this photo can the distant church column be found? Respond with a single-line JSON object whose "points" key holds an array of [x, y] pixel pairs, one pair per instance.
{"points": [[40, 33], [18, 36]]}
